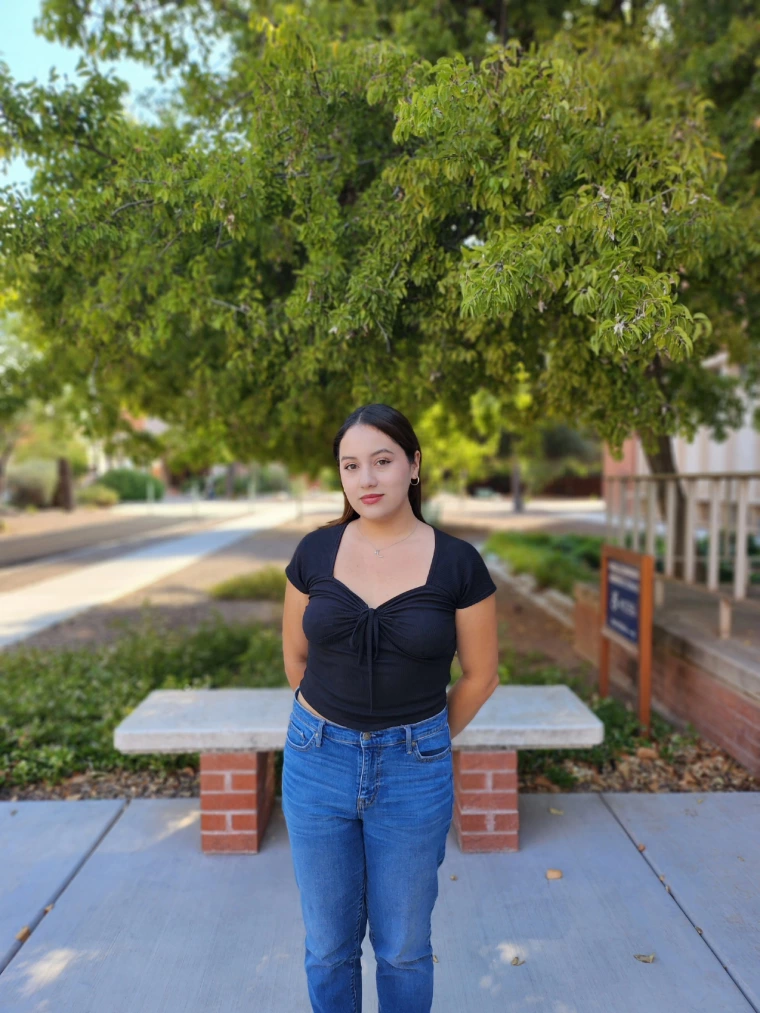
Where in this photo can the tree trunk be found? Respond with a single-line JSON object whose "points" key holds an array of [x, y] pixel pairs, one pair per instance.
{"points": [[663, 462], [230, 491], [63, 496], [517, 492], [5, 456]]}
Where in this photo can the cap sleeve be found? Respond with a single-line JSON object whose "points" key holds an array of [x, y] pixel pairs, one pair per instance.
{"points": [[297, 570], [476, 582]]}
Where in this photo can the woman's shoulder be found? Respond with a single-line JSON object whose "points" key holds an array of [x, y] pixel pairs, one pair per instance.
{"points": [[318, 538], [455, 546], [464, 571], [311, 556]]}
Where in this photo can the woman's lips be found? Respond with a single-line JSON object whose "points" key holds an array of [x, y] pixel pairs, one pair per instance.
{"points": [[372, 499]]}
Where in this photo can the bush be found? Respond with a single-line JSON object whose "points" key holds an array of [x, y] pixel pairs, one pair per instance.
{"points": [[553, 560], [265, 584], [273, 478], [59, 708], [97, 495], [239, 486], [32, 482], [132, 485]]}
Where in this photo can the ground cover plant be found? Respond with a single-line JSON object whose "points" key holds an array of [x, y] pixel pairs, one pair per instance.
{"points": [[554, 560], [60, 707], [266, 584]]}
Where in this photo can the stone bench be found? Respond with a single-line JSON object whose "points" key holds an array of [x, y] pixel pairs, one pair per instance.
{"points": [[237, 731]]}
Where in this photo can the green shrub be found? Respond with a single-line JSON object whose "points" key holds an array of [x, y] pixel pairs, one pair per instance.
{"points": [[32, 482], [132, 485], [556, 561], [97, 495], [267, 583], [239, 486], [59, 708], [273, 477]]}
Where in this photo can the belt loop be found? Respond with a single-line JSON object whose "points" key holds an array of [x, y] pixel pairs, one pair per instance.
{"points": [[320, 725], [408, 729]]}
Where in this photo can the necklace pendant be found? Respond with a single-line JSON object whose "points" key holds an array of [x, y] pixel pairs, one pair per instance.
{"points": [[379, 553]]}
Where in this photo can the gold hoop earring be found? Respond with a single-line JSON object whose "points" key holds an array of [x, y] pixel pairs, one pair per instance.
{"points": [[412, 482]]}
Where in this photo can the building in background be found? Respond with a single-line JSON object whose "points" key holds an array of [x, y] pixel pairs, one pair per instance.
{"points": [[740, 452]]}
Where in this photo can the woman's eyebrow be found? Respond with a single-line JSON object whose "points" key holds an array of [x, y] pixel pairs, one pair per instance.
{"points": [[382, 450]]}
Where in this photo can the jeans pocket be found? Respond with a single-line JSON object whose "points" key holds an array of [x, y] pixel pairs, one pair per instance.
{"points": [[433, 746], [299, 738]]}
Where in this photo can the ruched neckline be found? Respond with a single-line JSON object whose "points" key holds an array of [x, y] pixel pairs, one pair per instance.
{"points": [[367, 628]]}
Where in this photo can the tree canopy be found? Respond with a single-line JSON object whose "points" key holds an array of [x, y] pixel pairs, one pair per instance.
{"points": [[380, 201]]}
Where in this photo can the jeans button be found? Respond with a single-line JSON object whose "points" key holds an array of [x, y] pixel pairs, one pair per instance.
{"points": [[365, 735]]}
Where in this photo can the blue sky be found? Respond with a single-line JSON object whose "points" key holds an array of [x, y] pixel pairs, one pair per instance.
{"points": [[30, 56]]}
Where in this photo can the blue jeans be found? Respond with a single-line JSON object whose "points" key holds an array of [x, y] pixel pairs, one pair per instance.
{"points": [[367, 814]]}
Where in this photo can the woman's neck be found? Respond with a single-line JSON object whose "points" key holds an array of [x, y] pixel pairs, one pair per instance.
{"points": [[388, 529]]}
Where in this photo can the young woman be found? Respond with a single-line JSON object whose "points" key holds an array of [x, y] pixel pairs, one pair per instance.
{"points": [[375, 606]]}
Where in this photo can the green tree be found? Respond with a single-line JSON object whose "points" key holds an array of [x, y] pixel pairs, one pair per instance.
{"points": [[376, 202]]}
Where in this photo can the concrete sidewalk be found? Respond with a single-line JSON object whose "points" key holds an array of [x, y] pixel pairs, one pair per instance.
{"points": [[125, 914], [37, 606]]}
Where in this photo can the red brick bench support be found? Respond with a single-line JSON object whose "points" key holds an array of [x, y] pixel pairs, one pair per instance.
{"points": [[237, 795], [486, 816]]}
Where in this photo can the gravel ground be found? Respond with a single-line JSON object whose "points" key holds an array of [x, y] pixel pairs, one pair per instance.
{"points": [[532, 637]]}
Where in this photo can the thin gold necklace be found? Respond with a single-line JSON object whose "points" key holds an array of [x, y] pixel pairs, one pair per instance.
{"points": [[379, 552]]}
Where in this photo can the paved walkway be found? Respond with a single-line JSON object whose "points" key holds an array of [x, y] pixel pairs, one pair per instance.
{"points": [[48, 602], [141, 921]]}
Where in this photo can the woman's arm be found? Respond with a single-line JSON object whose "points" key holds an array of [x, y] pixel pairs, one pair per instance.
{"points": [[295, 646], [478, 653]]}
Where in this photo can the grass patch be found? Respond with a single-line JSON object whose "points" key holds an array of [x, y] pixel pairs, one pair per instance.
{"points": [[267, 584], [556, 561]]}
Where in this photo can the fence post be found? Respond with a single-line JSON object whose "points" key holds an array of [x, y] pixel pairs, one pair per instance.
{"points": [[651, 516], [689, 553], [713, 576], [740, 551], [623, 486], [670, 525], [636, 511]]}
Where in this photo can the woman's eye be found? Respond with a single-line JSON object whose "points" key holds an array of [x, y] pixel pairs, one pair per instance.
{"points": [[379, 461]]}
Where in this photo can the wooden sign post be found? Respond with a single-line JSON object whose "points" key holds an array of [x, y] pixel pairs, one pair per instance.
{"points": [[627, 592]]}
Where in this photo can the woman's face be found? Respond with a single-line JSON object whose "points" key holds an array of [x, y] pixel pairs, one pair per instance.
{"points": [[372, 464]]}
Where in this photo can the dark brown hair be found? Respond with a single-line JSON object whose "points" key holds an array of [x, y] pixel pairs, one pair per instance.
{"points": [[391, 422]]}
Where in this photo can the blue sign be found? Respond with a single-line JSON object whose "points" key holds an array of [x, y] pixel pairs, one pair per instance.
{"points": [[623, 594]]}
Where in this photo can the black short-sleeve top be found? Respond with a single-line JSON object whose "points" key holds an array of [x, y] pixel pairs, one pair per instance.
{"points": [[373, 668]]}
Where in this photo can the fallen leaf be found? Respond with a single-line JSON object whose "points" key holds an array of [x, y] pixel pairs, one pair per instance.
{"points": [[699, 930], [452, 877], [516, 961], [554, 874], [644, 957], [435, 959], [646, 753], [49, 908], [642, 847], [24, 934], [544, 781], [556, 812]]}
